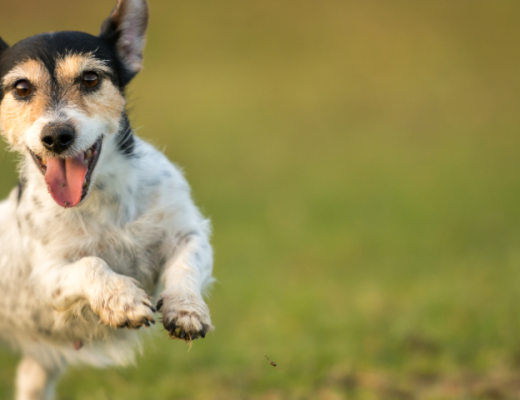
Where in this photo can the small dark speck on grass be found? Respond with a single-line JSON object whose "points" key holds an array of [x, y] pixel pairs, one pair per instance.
{"points": [[272, 363]]}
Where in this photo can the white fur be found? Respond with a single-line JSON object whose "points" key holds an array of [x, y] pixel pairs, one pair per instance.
{"points": [[60, 268]]}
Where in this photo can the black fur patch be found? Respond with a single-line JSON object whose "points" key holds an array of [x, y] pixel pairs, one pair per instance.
{"points": [[125, 138], [21, 187], [3, 45]]}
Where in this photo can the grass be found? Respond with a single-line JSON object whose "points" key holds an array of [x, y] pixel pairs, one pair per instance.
{"points": [[359, 163]]}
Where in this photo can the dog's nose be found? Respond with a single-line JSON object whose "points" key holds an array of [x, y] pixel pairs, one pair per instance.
{"points": [[58, 137]]}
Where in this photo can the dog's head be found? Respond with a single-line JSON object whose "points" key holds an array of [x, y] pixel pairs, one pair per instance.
{"points": [[62, 97]]}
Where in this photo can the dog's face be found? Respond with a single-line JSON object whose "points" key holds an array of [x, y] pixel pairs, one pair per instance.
{"points": [[62, 97]]}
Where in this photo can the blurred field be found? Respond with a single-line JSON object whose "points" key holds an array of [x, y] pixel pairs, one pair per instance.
{"points": [[360, 163]]}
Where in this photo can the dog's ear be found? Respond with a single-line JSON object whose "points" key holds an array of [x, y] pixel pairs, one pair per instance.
{"points": [[126, 29], [3, 46]]}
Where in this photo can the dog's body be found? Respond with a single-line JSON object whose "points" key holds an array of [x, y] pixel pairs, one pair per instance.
{"points": [[85, 247]]}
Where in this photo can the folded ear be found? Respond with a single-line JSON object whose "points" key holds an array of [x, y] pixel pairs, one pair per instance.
{"points": [[3, 46], [126, 28]]}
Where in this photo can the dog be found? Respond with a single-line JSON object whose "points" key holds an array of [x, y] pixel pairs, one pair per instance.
{"points": [[101, 231]]}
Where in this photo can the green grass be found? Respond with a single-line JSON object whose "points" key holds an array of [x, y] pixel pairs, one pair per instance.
{"points": [[359, 161]]}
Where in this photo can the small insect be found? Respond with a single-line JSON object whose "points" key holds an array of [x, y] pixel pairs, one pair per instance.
{"points": [[272, 363]]}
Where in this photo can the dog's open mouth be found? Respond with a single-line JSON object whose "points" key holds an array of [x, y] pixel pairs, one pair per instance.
{"points": [[68, 179]]}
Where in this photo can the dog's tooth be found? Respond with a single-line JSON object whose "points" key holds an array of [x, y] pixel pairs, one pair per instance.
{"points": [[88, 155], [44, 161], [85, 184]]}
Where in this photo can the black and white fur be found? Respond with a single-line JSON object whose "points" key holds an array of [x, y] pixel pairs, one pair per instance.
{"points": [[75, 282]]}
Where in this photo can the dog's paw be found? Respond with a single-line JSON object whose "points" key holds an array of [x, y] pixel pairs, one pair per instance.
{"points": [[184, 317], [123, 304]]}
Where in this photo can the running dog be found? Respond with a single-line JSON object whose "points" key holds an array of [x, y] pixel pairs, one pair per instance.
{"points": [[101, 222]]}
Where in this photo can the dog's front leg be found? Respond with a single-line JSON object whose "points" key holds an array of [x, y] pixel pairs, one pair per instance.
{"points": [[116, 299], [185, 314]]}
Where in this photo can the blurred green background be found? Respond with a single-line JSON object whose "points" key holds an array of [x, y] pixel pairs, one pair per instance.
{"points": [[360, 163]]}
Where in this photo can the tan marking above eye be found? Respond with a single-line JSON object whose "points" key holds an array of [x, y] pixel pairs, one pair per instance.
{"points": [[23, 88], [90, 80], [71, 66], [31, 71]]}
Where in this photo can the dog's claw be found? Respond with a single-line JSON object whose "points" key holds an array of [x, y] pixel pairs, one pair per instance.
{"points": [[160, 304], [178, 332]]}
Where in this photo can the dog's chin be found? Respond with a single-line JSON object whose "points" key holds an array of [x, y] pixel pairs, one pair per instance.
{"points": [[57, 173]]}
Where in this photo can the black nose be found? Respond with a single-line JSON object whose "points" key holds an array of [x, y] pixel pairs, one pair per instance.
{"points": [[58, 137]]}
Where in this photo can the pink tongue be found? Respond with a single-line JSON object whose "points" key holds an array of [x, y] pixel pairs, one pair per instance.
{"points": [[65, 179]]}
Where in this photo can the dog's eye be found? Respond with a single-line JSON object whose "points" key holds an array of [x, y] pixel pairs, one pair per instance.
{"points": [[90, 80], [23, 88]]}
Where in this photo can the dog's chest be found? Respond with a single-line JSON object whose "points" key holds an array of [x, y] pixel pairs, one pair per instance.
{"points": [[131, 248]]}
